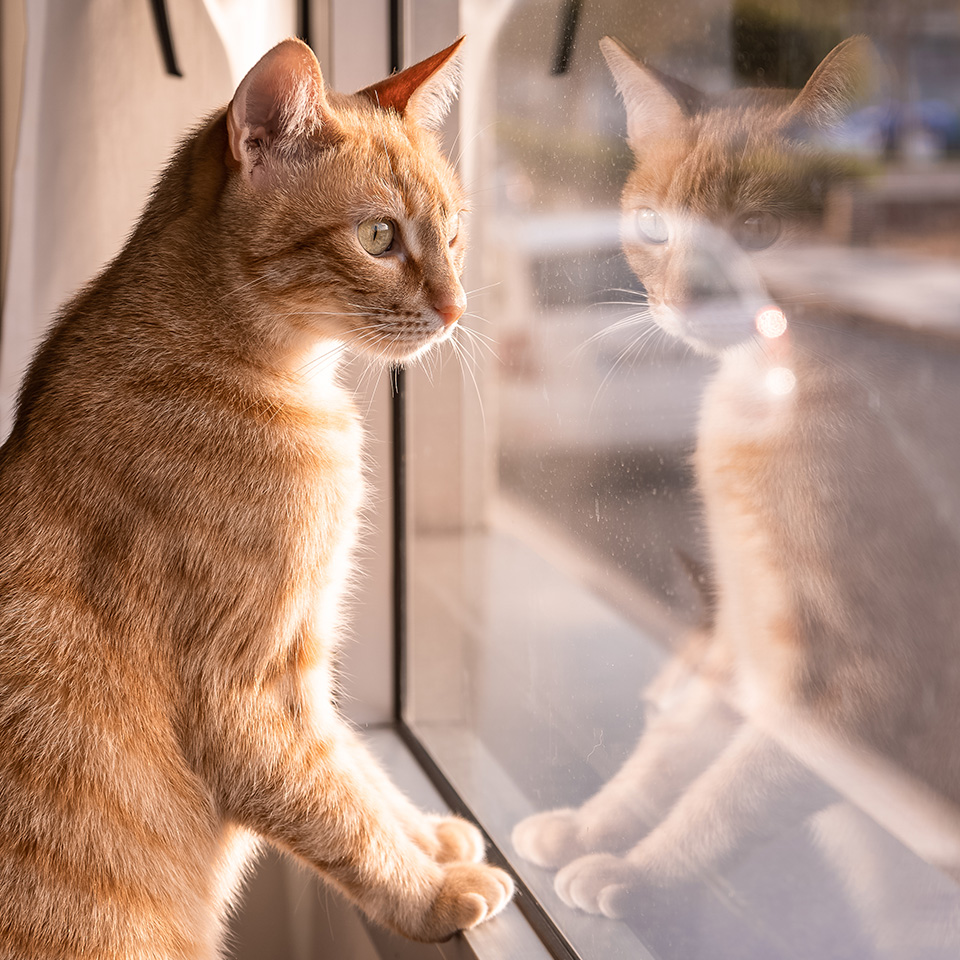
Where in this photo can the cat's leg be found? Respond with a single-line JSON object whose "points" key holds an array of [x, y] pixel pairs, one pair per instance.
{"points": [[306, 788], [447, 839], [688, 726], [753, 791]]}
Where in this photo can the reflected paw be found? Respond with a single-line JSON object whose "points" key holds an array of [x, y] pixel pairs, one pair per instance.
{"points": [[598, 883], [456, 841], [470, 894], [549, 839]]}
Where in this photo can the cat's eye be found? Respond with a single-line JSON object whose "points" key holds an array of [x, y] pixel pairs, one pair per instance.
{"points": [[453, 227], [757, 231], [376, 236], [650, 226]]}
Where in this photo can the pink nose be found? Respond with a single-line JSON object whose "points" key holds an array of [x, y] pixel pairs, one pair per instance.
{"points": [[451, 312]]}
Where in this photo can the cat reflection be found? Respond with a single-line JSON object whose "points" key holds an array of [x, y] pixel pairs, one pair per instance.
{"points": [[824, 466]]}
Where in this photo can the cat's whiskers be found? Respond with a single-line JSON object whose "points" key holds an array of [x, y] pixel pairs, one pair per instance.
{"points": [[642, 318], [478, 338], [464, 360], [644, 339], [637, 296], [476, 290], [250, 283]]}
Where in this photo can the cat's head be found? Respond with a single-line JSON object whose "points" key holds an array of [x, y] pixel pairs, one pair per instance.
{"points": [[349, 219], [720, 184]]}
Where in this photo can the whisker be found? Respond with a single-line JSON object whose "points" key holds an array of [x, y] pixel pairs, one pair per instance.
{"points": [[458, 350], [488, 286], [476, 316], [478, 334]]}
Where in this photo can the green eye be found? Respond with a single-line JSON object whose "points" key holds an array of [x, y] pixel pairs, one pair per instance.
{"points": [[756, 231], [650, 226], [376, 236]]}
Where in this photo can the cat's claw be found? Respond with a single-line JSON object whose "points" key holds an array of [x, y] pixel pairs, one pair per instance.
{"points": [[456, 841], [593, 883], [470, 894], [550, 839]]}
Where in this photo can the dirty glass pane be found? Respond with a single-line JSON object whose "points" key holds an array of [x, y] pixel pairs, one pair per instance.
{"points": [[685, 522]]}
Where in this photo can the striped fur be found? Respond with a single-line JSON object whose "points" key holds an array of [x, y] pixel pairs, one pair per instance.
{"points": [[178, 503]]}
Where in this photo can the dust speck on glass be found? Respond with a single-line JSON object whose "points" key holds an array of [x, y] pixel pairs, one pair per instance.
{"points": [[684, 531]]}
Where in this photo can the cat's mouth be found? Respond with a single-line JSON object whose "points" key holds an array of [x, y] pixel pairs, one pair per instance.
{"points": [[404, 345], [714, 325]]}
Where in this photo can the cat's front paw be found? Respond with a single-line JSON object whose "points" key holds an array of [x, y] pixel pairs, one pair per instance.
{"points": [[598, 883], [549, 839], [470, 893], [456, 841]]}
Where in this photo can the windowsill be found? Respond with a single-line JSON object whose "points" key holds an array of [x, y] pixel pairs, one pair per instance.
{"points": [[575, 611], [507, 936]]}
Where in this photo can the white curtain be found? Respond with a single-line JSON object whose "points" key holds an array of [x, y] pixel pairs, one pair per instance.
{"points": [[100, 115]]}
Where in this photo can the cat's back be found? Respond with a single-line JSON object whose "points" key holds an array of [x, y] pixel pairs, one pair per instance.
{"points": [[836, 529], [160, 497]]}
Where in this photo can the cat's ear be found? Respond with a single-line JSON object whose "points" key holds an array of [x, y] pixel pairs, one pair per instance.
{"points": [[848, 76], [279, 110], [657, 105], [422, 92]]}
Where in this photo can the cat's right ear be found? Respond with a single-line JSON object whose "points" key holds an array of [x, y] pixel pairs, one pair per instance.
{"points": [[279, 111], [654, 110]]}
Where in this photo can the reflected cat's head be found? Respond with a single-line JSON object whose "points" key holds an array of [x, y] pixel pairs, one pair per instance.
{"points": [[348, 216], [721, 182]]}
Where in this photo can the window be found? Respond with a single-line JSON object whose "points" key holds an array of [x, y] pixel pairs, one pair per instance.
{"points": [[729, 552]]}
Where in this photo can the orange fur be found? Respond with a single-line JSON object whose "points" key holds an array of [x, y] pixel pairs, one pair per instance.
{"points": [[178, 501]]}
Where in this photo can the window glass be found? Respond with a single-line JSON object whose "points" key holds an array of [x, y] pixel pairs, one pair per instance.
{"points": [[684, 557]]}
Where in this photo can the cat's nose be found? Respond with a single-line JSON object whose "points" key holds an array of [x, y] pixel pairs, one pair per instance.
{"points": [[451, 311]]}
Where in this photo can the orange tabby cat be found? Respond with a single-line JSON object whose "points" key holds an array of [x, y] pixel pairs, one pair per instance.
{"points": [[178, 503], [829, 487]]}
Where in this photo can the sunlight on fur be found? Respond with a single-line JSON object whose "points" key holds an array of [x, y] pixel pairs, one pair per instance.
{"points": [[780, 381], [178, 534]]}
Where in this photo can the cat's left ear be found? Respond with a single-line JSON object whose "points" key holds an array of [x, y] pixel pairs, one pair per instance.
{"points": [[279, 111], [848, 76], [422, 92]]}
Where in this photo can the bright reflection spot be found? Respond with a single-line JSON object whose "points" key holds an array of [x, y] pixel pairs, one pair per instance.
{"points": [[781, 380], [771, 322]]}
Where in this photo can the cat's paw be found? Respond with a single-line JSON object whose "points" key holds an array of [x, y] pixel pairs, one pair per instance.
{"points": [[549, 839], [456, 841], [470, 893], [598, 883]]}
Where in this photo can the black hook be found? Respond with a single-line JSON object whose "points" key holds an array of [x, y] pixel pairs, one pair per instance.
{"points": [[568, 34], [162, 22]]}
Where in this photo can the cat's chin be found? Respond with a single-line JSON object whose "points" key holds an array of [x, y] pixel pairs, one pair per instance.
{"points": [[402, 351], [712, 327]]}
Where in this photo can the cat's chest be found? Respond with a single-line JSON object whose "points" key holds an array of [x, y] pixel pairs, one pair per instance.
{"points": [[279, 487], [747, 431], [322, 467]]}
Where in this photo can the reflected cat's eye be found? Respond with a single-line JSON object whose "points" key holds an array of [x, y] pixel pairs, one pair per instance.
{"points": [[650, 226], [376, 236], [756, 231]]}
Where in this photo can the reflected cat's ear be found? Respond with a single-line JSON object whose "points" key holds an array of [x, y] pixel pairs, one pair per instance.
{"points": [[278, 111], [656, 104], [422, 92], [848, 76]]}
